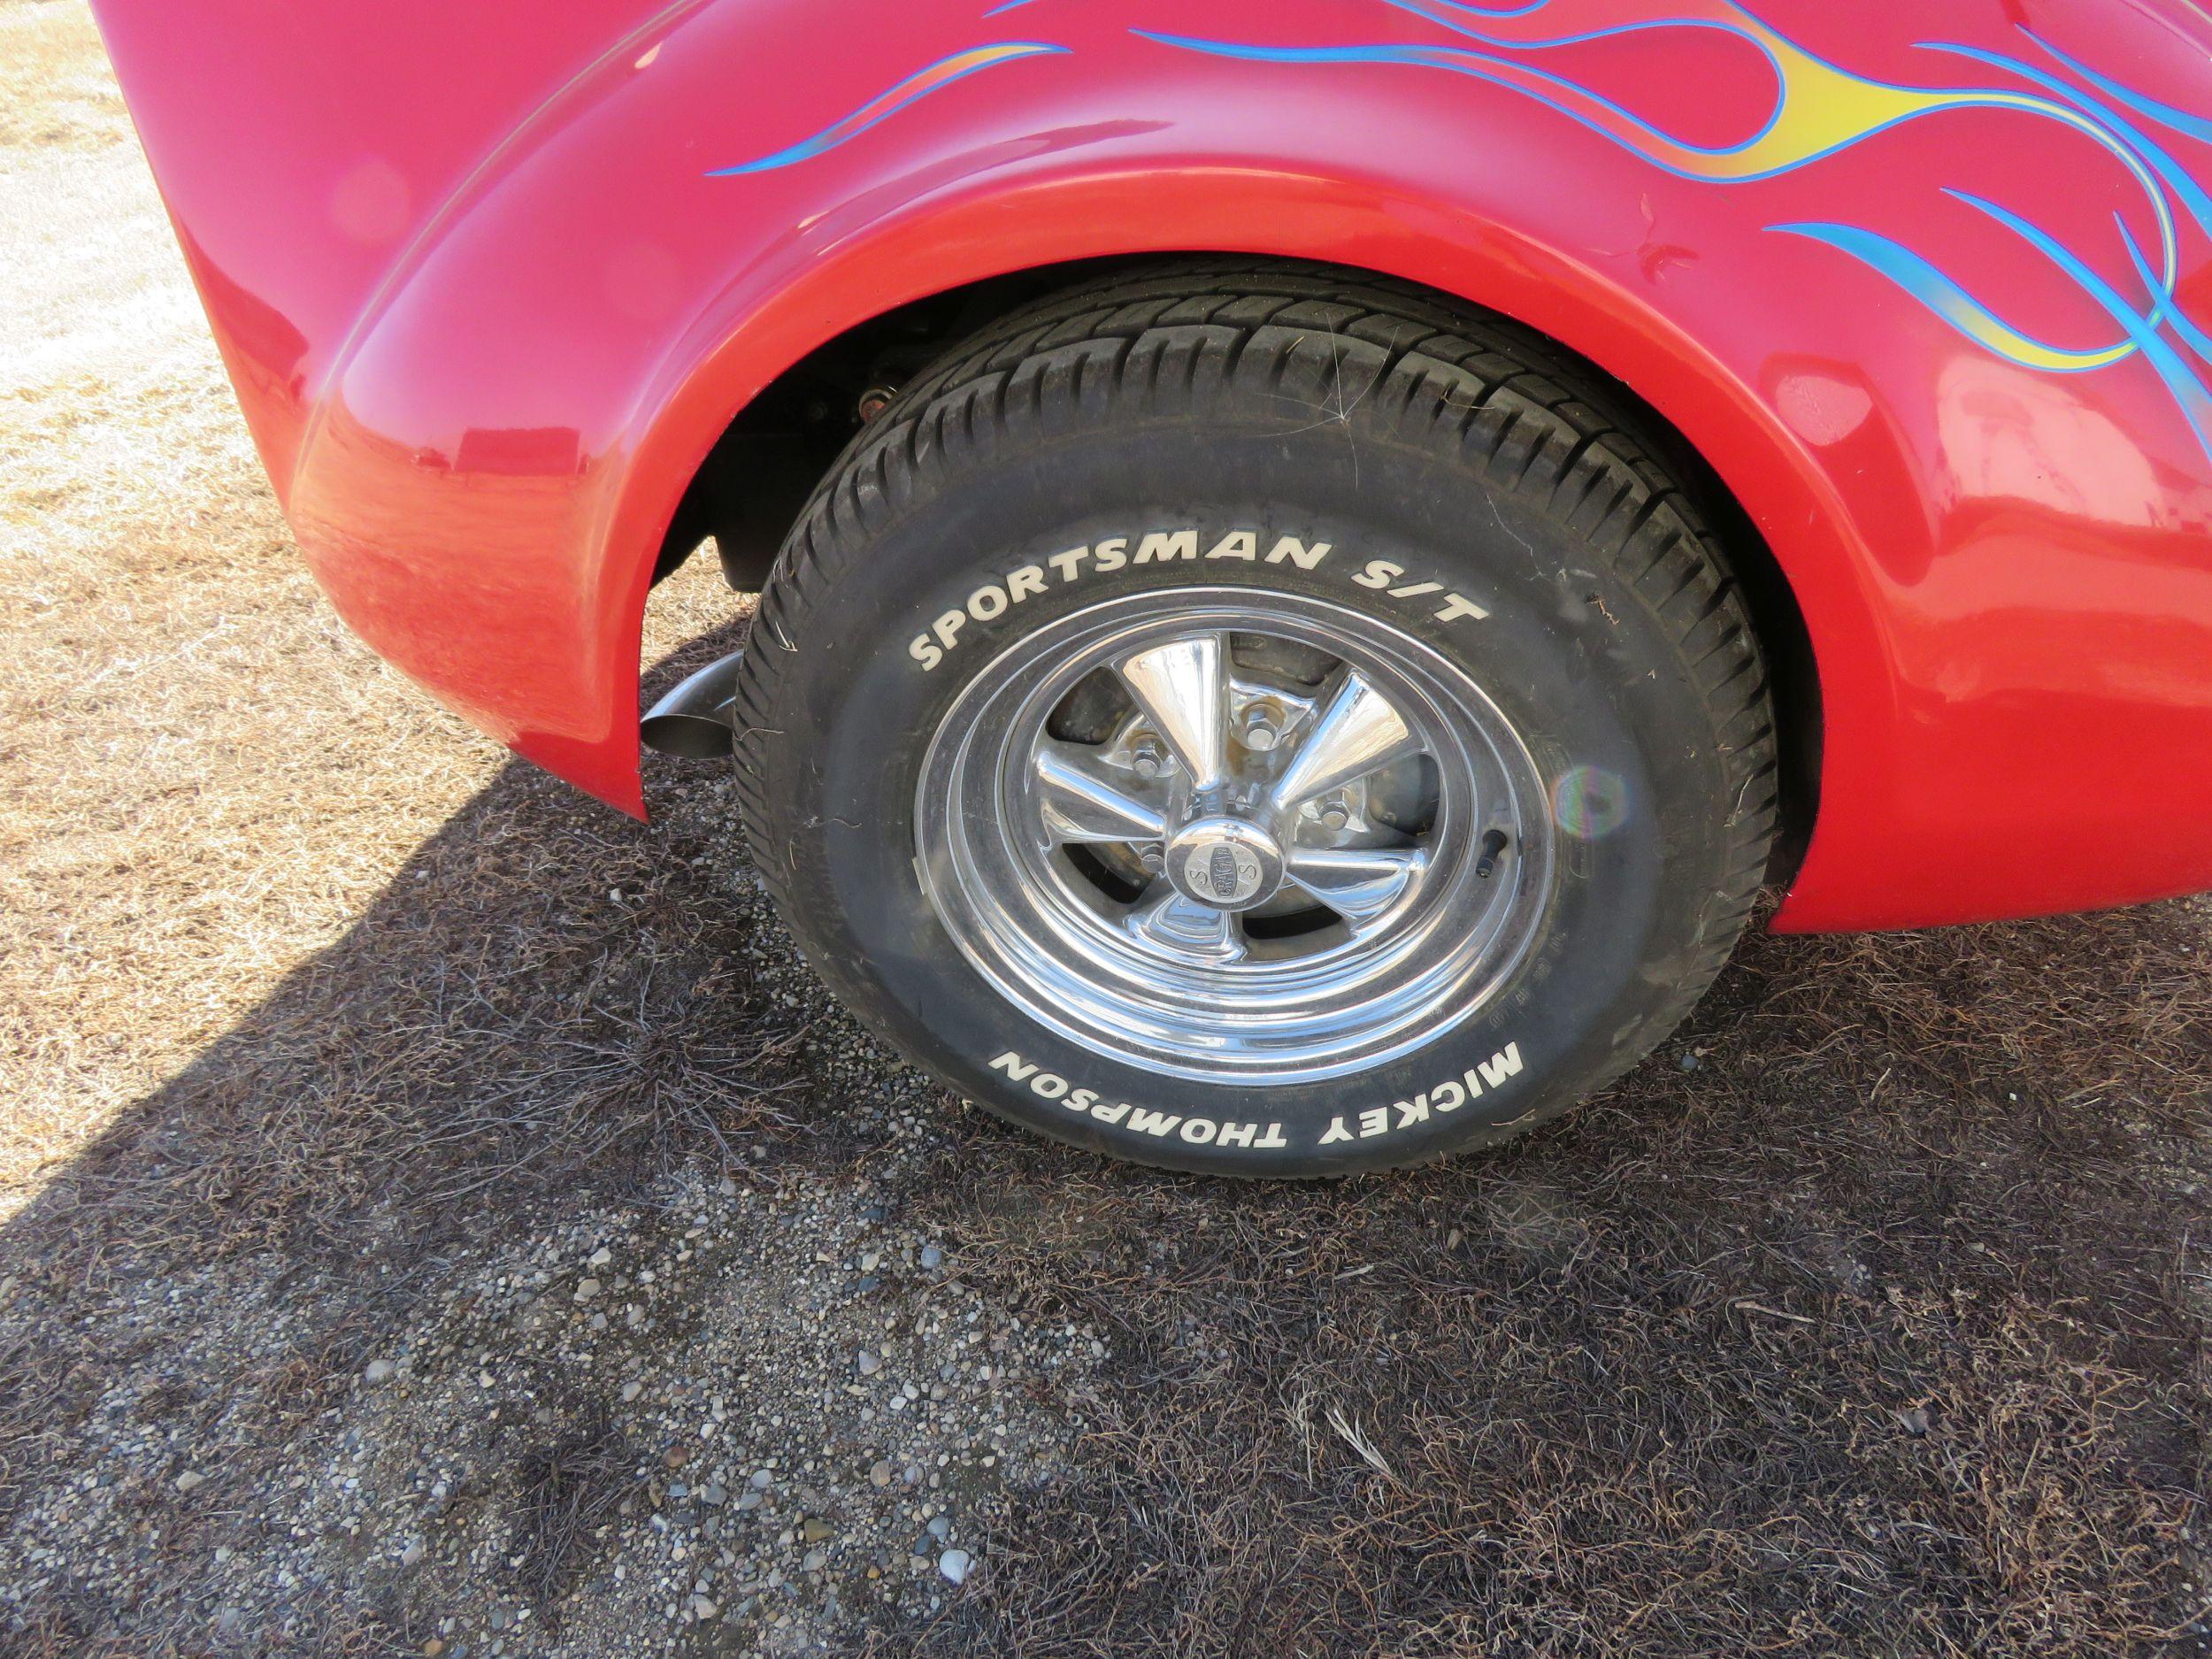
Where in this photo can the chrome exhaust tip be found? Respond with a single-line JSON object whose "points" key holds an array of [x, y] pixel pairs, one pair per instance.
{"points": [[693, 721]]}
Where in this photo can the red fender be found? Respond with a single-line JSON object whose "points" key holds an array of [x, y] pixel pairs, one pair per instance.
{"points": [[491, 283]]}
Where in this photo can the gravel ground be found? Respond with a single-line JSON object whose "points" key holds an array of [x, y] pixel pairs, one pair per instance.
{"points": [[439, 1216], [733, 1414]]}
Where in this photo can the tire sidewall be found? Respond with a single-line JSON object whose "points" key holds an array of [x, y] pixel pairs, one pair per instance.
{"points": [[1565, 648]]}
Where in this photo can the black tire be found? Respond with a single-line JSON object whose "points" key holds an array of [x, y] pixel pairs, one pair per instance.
{"points": [[1336, 408]]}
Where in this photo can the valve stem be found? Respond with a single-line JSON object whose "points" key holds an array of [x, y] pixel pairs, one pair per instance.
{"points": [[1493, 842]]}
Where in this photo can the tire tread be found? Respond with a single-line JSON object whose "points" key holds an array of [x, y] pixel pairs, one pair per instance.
{"points": [[1442, 376]]}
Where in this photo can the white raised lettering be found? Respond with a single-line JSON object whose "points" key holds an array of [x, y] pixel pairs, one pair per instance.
{"points": [[1457, 605], [1502, 1065], [1289, 546], [1160, 546]]}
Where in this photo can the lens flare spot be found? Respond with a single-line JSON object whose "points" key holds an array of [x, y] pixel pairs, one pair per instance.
{"points": [[1589, 801]]}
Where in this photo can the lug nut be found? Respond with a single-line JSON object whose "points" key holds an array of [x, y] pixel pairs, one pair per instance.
{"points": [[1147, 759], [1334, 816], [1152, 859], [1261, 731]]}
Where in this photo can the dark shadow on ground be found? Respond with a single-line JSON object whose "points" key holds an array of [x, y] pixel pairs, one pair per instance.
{"points": [[1858, 1319], [548, 992]]}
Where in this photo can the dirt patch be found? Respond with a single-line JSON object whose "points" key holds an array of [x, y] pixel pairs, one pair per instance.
{"points": [[338, 1055]]}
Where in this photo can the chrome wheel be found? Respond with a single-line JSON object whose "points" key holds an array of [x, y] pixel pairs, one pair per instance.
{"points": [[1219, 832]]}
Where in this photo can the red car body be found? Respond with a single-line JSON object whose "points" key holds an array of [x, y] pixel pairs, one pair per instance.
{"points": [[1926, 284]]}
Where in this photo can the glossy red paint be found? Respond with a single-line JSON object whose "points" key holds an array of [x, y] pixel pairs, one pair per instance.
{"points": [[488, 303]]}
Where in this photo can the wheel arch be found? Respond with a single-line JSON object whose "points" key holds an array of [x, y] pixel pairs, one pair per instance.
{"points": [[790, 426]]}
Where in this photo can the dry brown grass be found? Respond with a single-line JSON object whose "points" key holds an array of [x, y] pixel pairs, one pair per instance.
{"points": [[205, 780], [1875, 1333], [55, 88], [1880, 1331]]}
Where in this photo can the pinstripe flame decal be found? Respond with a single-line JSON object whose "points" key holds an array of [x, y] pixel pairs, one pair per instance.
{"points": [[1820, 108], [889, 103]]}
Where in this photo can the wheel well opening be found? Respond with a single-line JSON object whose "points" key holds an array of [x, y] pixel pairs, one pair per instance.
{"points": [[749, 489], [752, 485]]}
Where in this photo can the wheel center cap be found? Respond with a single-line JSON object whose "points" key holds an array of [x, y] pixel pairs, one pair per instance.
{"points": [[1224, 864]]}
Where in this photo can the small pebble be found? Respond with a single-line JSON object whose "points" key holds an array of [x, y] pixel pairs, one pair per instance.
{"points": [[955, 1565]]}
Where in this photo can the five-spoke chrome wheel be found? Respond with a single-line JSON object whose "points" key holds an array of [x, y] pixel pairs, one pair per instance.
{"points": [[1221, 832]]}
